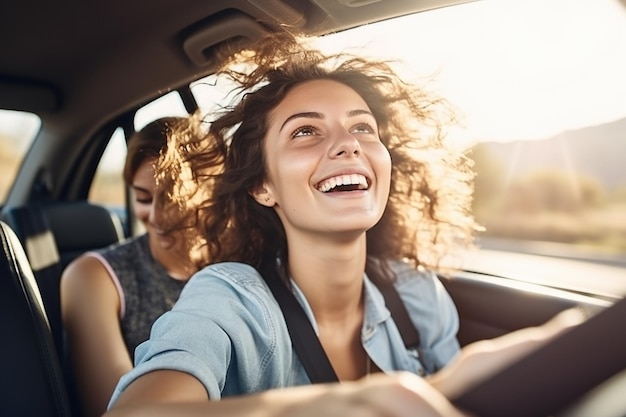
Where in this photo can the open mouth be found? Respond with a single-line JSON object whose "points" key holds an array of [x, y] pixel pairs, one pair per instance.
{"points": [[347, 182]]}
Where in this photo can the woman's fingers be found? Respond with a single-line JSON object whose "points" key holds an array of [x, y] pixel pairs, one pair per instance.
{"points": [[405, 394]]}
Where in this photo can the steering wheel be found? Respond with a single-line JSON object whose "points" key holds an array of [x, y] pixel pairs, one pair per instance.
{"points": [[568, 374]]}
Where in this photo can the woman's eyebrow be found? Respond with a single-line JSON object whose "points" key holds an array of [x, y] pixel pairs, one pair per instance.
{"points": [[316, 115], [359, 112], [137, 188], [308, 115]]}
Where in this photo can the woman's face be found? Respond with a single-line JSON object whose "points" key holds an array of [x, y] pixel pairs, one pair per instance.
{"points": [[328, 170], [145, 207]]}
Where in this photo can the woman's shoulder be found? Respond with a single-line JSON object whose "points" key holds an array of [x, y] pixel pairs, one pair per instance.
{"points": [[404, 273], [126, 259], [417, 282], [232, 295], [128, 247], [228, 279], [235, 272], [75, 288]]}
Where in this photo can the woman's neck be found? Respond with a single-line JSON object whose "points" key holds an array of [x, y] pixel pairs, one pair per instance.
{"points": [[331, 278], [330, 275]]}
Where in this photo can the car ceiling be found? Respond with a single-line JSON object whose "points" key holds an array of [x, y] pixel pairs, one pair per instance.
{"points": [[78, 62]]}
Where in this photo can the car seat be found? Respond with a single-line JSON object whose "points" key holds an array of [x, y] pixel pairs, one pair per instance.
{"points": [[53, 234], [32, 378]]}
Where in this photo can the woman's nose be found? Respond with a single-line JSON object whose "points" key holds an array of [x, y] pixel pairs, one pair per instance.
{"points": [[154, 214], [345, 145], [141, 212]]}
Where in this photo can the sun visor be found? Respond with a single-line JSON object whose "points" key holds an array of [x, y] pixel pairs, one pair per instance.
{"points": [[200, 43]]}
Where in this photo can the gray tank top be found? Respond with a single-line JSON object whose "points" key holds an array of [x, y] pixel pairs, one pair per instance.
{"points": [[147, 290]]}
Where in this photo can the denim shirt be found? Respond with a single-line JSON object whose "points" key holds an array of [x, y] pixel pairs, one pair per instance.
{"points": [[227, 331]]}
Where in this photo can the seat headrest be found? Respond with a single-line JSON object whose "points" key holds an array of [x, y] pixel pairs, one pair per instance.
{"points": [[82, 225], [57, 232]]}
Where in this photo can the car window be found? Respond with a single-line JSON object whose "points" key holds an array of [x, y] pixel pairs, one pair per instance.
{"points": [[168, 105], [17, 132], [212, 93], [108, 187]]}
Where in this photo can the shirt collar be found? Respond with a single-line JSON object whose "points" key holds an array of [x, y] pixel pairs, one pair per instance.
{"points": [[375, 310]]}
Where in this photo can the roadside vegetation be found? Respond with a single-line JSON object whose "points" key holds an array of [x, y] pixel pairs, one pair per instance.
{"points": [[549, 205]]}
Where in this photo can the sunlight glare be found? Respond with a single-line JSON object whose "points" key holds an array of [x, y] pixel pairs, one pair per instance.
{"points": [[516, 69]]}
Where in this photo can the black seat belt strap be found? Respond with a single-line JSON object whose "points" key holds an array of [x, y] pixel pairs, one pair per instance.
{"points": [[401, 317], [305, 341], [303, 338]]}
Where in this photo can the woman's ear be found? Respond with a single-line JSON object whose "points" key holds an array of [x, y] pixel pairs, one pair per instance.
{"points": [[263, 196]]}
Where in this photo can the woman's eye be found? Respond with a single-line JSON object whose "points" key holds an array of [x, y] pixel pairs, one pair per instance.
{"points": [[303, 131], [146, 201], [363, 128]]}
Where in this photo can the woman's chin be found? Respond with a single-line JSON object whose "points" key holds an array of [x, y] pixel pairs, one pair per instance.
{"points": [[166, 242], [162, 242]]}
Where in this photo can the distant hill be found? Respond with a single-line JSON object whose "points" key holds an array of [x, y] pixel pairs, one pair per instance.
{"points": [[597, 151]]}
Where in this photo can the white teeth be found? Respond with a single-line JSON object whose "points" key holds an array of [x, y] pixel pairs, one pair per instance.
{"points": [[352, 179]]}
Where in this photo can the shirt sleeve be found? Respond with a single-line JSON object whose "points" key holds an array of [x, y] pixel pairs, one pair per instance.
{"points": [[225, 316], [433, 313]]}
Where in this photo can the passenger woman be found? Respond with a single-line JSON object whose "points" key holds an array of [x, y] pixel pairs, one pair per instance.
{"points": [[111, 297]]}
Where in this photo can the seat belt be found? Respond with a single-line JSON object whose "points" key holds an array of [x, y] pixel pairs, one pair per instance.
{"points": [[400, 315], [304, 339]]}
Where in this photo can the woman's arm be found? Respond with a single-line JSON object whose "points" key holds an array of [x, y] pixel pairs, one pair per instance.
{"points": [[482, 359], [90, 308], [168, 393], [165, 393]]}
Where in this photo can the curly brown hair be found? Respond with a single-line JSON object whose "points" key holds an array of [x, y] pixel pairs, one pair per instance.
{"points": [[428, 213], [147, 144]]}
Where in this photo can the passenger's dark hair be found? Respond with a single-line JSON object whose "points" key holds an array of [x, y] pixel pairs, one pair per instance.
{"points": [[151, 144], [427, 215]]}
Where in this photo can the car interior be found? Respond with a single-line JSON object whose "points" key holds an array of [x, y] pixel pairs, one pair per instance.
{"points": [[48, 234], [87, 70]]}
